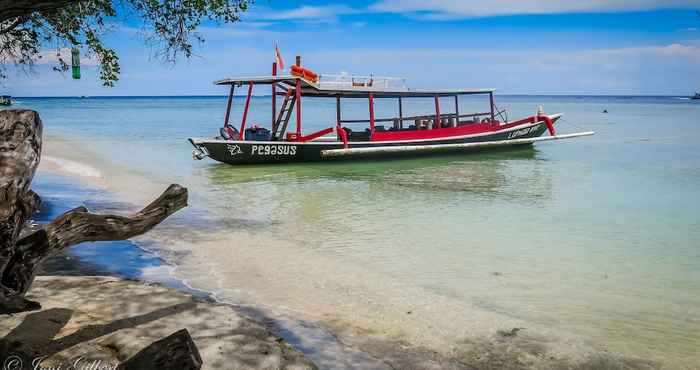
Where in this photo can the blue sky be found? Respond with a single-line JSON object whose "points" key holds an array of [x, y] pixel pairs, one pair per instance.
{"points": [[517, 46]]}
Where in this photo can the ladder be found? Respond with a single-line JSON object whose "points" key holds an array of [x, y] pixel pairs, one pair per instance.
{"points": [[283, 117]]}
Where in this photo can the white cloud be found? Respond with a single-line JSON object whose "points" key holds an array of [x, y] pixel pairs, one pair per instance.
{"points": [[305, 13], [50, 56], [450, 9], [661, 70], [667, 69]]}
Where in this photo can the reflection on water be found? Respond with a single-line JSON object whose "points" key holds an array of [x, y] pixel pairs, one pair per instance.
{"points": [[486, 174], [355, 205]]}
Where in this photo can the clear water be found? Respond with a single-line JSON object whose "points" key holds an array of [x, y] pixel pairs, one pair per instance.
{"points": [[599, 236]]}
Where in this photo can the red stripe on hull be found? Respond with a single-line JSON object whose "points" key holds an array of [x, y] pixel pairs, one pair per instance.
{"points": [[446, 132]]}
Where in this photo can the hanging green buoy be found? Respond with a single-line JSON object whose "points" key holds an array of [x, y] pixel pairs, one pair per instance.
{"points": [[75, 62]]}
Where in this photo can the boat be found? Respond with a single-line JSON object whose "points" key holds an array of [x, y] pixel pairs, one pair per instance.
{"points": [[696, 96], [435, 132], [5, 100]]}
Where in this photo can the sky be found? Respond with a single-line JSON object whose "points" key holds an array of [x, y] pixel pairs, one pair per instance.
{"points": [[596, 47]]}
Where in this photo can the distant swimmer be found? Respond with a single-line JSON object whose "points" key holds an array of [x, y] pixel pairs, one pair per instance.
{"points": [[605, 111]]}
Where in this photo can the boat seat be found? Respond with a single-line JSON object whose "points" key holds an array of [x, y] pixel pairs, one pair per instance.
{"points": [[229, 133], [357, 135]]}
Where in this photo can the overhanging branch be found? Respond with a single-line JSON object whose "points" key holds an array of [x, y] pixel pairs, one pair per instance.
{"points": [[10, 9]]}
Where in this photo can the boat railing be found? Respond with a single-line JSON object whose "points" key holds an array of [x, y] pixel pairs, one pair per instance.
{"points": [[447, 120], [344, 81], [502, 114]]}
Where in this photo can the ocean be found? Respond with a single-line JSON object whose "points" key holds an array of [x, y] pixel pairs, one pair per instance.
{"points": [[595, 239]]}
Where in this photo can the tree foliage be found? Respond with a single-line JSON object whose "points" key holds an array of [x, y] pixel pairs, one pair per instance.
{"points": [[27, 27]]}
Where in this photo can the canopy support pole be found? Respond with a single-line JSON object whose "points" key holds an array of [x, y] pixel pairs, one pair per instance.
{"points": [[297, 96], [274, 95], [337, 110], [437, 112], [228, 105], [493, 115], [245, 110], [297, 92], [456, 110], [400, 113], [371, 112]]}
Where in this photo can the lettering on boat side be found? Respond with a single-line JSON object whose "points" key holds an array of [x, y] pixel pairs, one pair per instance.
{"points": [[234, 149], [522, 132], [274, 150]]}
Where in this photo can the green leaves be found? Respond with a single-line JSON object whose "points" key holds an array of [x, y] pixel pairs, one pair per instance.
{"points": [[169, 26]]}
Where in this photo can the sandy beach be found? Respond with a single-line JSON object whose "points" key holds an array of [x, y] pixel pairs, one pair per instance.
{"points": [[106, 321]]}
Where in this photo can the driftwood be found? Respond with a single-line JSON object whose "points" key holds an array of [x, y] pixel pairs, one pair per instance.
{"points": [[22, 252], [174, 352]]}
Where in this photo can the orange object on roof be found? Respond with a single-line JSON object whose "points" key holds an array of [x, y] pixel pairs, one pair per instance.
{"points": [[307, 74]]}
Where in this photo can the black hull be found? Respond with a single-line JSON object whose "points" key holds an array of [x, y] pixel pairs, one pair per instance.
{"points": [[265, 152]]}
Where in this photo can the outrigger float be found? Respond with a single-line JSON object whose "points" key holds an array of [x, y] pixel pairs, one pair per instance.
{"points": [[437, 132]]}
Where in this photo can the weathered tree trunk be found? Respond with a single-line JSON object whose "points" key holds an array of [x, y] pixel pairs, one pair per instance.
{"points": [[20, 255]]}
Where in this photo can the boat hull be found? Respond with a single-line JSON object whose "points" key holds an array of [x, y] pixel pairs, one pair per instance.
{"points": [[267, 152]]}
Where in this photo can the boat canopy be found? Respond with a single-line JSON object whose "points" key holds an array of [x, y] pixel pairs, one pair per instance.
{"points": [[333, 89]]}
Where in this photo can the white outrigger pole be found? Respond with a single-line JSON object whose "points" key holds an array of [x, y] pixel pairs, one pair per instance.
{"points": [[331, 153]]}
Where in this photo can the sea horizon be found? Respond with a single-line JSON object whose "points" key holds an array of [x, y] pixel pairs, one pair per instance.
{"points": [[270, 95]]}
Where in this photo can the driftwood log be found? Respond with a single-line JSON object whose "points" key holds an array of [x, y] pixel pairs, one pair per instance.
{"points": [[22, 250], [174, 352]]}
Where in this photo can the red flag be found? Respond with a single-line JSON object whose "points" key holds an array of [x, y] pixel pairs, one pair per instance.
{"points": [[278, 58]]}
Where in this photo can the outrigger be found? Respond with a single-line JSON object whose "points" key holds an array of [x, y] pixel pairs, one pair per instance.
{"points": [[436, 132]]}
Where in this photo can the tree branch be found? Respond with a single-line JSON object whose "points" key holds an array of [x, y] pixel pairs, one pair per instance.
{"points": [[14, 8], [78, 226], [13, 25]]}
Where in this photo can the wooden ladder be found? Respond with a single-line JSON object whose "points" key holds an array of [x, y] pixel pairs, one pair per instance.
{"points": [[283, 117]]}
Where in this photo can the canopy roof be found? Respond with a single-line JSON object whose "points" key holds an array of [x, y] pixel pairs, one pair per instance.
{"points": [[309, 88]]}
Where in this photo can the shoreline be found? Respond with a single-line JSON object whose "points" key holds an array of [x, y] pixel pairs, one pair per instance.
{"points": [[535, 348], [303, 336]]}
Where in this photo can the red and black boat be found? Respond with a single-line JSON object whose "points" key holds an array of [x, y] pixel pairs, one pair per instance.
{"points": [[435, 132]]}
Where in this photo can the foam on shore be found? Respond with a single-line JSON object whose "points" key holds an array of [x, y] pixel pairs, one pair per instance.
{"points": [[71, 167], [69, 158]]}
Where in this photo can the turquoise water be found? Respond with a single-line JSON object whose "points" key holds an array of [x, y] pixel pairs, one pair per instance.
{"points": [[599, 236]]}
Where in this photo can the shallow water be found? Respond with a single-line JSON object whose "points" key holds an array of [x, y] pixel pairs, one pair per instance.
{"points": [[597, 236]]}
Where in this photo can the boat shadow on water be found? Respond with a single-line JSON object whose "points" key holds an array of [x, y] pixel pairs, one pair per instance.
{"points": [[511, 173]]}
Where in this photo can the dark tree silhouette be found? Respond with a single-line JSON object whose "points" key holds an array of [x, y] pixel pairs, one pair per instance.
{"points": [[27, 26]]}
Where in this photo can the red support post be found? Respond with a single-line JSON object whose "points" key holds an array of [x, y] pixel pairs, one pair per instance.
{"points": [[245, 110], [297, 91], [548, 122], [437, 112], [371, 112], [274, 95]]}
